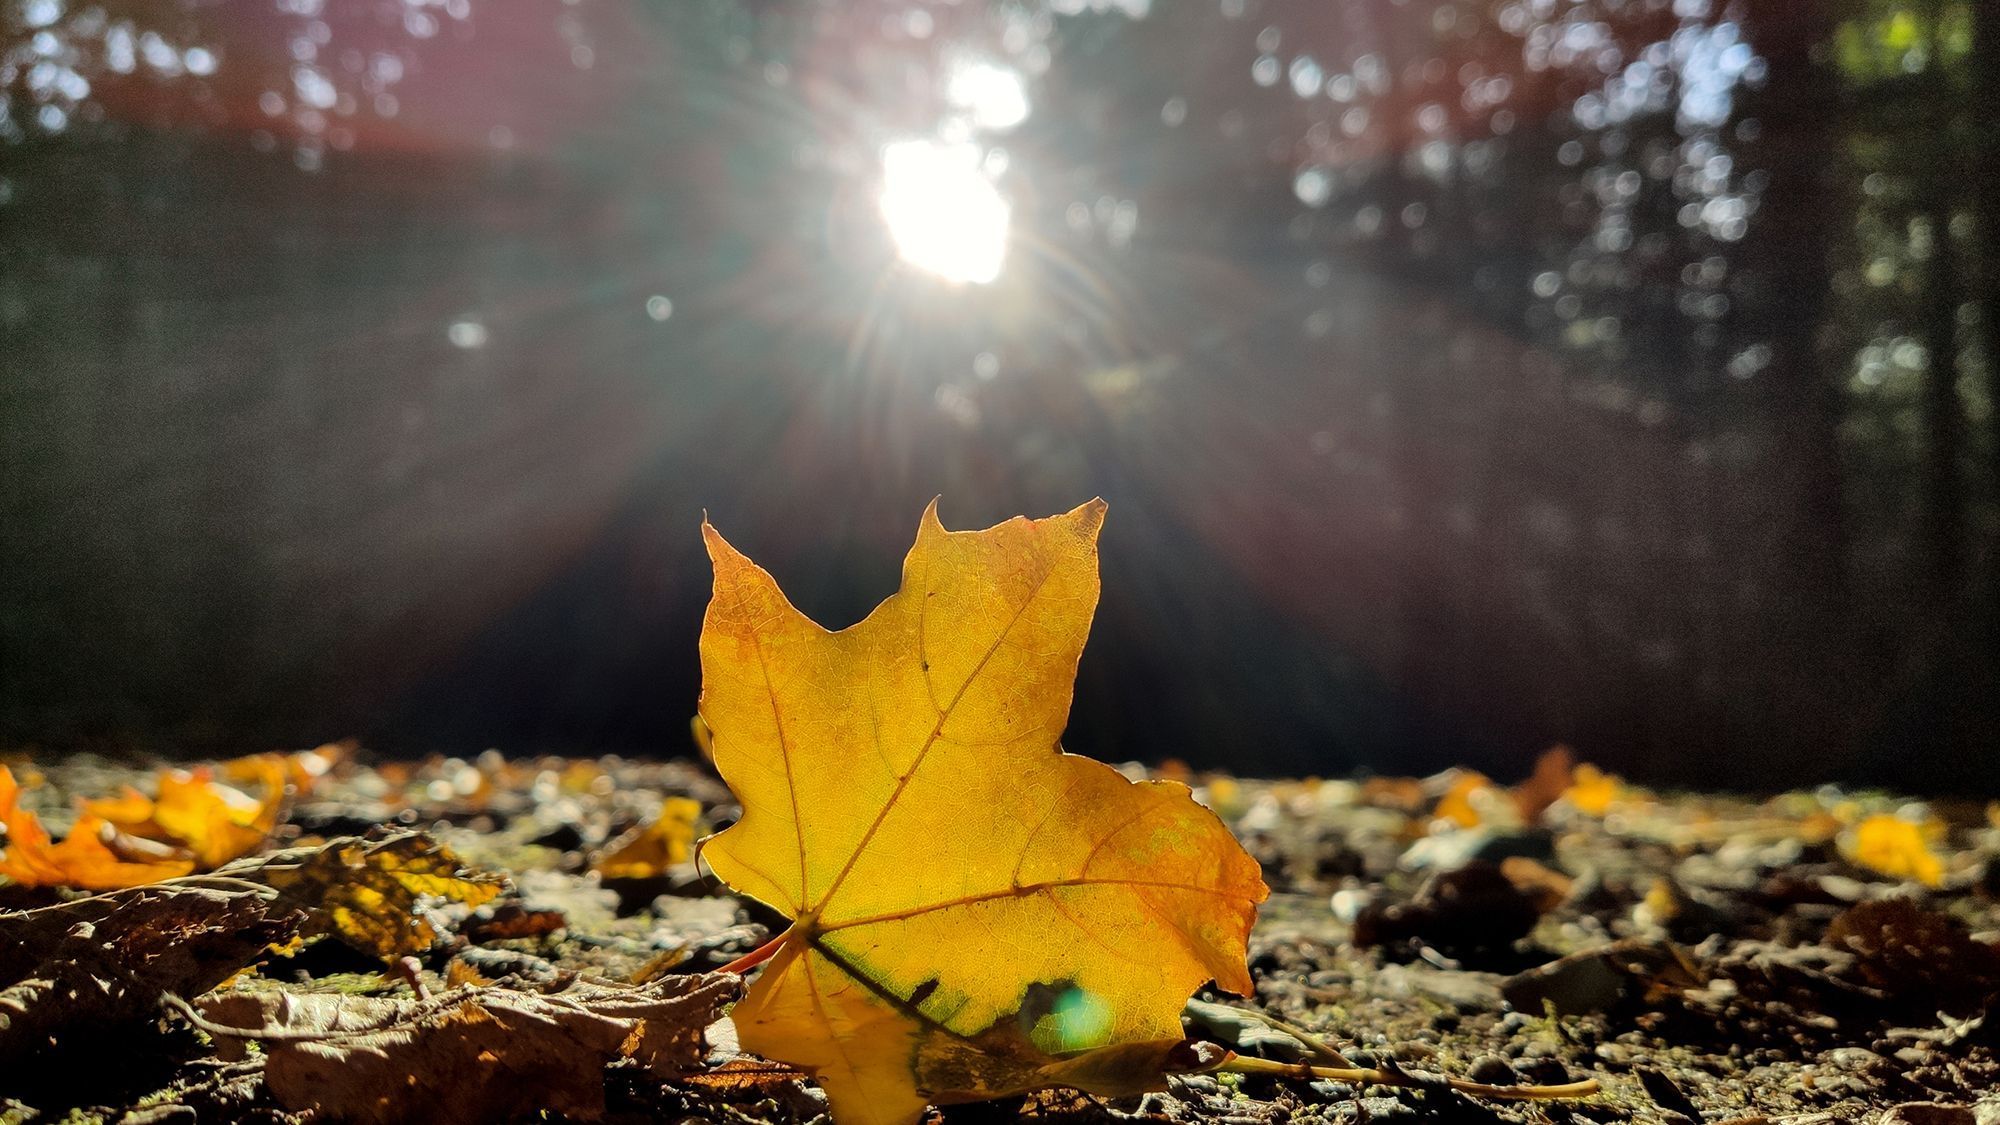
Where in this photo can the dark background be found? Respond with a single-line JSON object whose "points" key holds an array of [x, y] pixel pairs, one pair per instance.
{"points": [[1466, 377]]}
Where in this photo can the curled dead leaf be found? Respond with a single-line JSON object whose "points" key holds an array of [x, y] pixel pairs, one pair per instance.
{"points": [[470, 1055], [76, 972]]}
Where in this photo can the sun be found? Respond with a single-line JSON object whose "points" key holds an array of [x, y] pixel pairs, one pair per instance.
{"points": [[944, 214]]}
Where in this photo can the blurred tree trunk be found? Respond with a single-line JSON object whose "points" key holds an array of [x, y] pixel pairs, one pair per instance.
{"points": [[1985, 126], [1803, 590], [1983, 134], [1944, 414], [1945, 419]]}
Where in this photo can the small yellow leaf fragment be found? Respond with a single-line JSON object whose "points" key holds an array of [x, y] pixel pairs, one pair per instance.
{"points": [[1224, 795], [1592, 791], [1901, 849], [1472, 800], [652, 850], [377, 896]]}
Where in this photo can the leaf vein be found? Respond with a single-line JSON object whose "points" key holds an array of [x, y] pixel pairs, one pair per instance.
{"points": [[1025, 891], [916, 763]]}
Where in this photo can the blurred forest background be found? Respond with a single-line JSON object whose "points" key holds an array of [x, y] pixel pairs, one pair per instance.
{"points": [[1464, 375]]}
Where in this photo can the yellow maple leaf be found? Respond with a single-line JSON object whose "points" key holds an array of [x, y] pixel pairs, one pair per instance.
{"points": [[974, 911]]}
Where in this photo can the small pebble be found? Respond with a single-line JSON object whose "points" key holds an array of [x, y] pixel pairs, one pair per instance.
{"points": [[1545, 1072], [1853, 1058], [1493, 1070]]}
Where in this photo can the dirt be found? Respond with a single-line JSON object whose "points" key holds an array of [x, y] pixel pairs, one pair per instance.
{"points": [[1706, 958]]}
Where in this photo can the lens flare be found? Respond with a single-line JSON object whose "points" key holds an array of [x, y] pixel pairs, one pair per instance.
{"points": [[943, 213], [993, 96]]}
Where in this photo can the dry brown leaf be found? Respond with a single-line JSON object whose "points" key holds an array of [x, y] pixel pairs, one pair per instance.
{"points": [[1546, 887], [1554, 772], [474, 1054], [1403, 794], [72, 973]]}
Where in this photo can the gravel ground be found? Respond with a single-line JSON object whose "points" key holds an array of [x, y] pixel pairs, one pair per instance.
{"points": [[1809, 958]]}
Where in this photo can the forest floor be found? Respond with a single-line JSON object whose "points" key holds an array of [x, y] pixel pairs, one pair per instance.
{"points": [[1810, 958]]}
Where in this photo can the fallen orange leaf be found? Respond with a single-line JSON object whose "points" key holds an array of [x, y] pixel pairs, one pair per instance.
{"points": [[1471, 801], [214, 821], [975, 912], [302, 769], [85, 859]]}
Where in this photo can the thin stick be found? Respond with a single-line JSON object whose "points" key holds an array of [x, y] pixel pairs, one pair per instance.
{"points": [[1318, 1046], [756, 956], [1365, 1076]]}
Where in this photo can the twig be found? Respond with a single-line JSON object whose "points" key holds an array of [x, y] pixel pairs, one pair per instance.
{"points": [[1372, 1076], [1318, 1045], [412, 973], [756, 956]]}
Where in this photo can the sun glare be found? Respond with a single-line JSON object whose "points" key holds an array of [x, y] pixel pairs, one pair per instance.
{"points": [[993, 96], [943, 212]]}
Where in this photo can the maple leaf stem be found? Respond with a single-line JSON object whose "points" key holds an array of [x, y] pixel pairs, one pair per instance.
{"points": [[756, 956], [1370, 1076]]}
